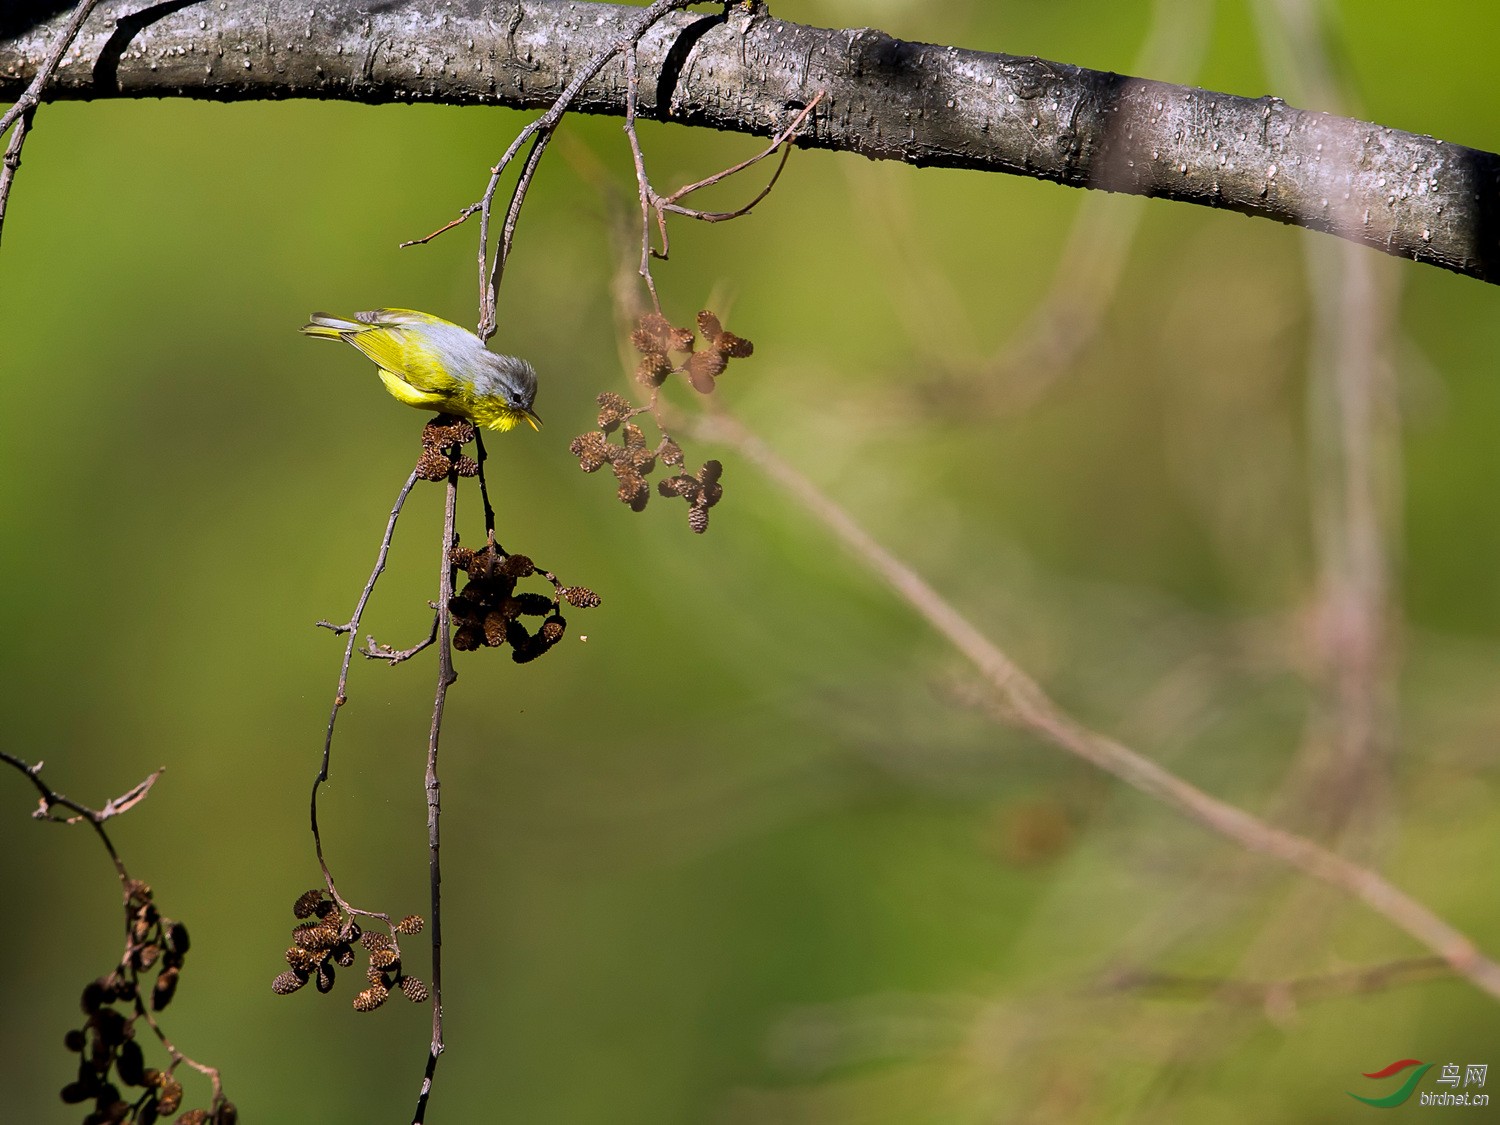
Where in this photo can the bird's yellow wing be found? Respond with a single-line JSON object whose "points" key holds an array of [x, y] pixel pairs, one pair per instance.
{"points": [[397, 344]]}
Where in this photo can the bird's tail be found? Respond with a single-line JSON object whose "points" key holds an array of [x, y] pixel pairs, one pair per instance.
{"points": [[321, 326]]}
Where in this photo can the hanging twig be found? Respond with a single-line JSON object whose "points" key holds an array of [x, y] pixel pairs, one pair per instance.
{"points": [[486, 615], [12, 161], [490, 288], [654, 203], [351, 631], [446, 677], [541, 129], [484, 491]]}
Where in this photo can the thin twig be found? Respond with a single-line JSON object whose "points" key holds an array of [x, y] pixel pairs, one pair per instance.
{"points": [[95, 818], [449, 225], [652, 202], [12, 161], [446, 677], [178, 1058], [643, 184], [490, 289], [668, 202], [783, 138], [31, 97], [544, 126], [484, 491], [351, 632], [1019, 701], [23, 113], [394, 656]]}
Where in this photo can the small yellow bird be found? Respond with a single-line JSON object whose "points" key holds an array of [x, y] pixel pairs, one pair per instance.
{"points": [[431, 364]]}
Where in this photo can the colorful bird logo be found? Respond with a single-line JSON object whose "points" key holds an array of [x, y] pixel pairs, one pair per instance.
{"points": [[1391, 1101]]}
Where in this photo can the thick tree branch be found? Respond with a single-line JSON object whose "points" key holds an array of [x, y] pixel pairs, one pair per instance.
{"points": [[1404, 194]]}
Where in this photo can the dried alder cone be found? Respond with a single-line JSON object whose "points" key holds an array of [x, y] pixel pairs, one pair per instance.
{"points": [[440, 441], [702, 491], [656, 338], [326, 937], [487, 612], [632, 459], [110, 1054]]}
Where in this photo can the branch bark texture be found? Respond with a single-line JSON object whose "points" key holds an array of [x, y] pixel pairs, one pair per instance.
{"points": [[1404, 194]]}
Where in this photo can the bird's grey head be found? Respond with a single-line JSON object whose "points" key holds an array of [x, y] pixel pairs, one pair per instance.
{"points": [[511, 378]]}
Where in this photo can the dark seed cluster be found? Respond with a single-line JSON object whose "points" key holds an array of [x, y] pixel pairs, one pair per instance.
{"points": [[441, 439], [110, 1057], [325, 939], [487, 612]]}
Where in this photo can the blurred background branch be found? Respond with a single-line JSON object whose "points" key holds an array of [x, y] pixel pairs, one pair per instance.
{"points": [[1017, 700], [1277, 997]]}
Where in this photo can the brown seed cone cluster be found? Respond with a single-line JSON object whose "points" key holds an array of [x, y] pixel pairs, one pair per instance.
{"points": [[325, 937], [487, 612], [657, 338], [632, 462], [701, 492], [440, 441], [110, 1056], [632, 459]]}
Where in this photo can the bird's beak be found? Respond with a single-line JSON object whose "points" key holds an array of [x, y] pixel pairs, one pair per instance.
{"points": [[532, 420]]}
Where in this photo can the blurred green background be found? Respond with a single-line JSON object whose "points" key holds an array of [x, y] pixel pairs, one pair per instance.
{"points": [[739, 857]]}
